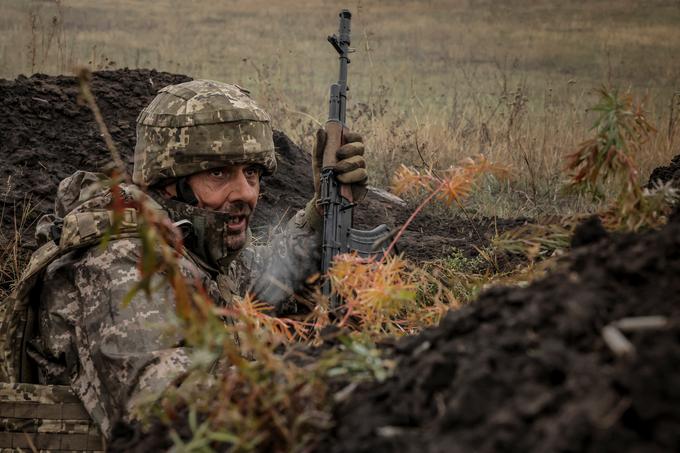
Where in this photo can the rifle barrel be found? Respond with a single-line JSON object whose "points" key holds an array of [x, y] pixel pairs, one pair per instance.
{"points": [[341, 43]]}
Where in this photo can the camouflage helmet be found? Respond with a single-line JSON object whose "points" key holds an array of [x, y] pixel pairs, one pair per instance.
{"points": [[199, 125]]}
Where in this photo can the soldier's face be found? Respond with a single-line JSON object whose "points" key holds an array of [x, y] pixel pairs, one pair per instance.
{"points": [[234, 190]]}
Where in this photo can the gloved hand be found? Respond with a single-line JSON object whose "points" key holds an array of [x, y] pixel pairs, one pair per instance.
{"points": [[350, 167]]}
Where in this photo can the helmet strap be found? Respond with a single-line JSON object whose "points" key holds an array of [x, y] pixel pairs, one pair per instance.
{"points": [[184, 192]]}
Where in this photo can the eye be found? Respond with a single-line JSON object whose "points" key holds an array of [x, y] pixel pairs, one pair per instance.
{"points": [[217, 173], [253, 171]]}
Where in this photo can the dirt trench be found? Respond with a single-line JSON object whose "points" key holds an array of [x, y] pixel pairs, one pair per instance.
{"points": [[520, 369], [47, 135], [527, 369]]}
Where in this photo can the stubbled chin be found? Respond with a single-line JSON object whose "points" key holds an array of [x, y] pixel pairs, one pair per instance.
{"points": [[236, 241]]}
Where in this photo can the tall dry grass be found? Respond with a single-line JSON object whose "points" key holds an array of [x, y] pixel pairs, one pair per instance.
{"points": [[431, 82], [13, 255]]}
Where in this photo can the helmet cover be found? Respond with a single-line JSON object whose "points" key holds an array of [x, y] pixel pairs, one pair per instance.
{"points": [[200, 125]]}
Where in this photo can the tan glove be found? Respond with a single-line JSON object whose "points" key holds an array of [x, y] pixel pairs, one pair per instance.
{"points": [[350, 167]]}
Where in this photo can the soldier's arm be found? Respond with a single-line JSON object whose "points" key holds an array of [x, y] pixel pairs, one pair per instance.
{"points": [[273, 273], [115, 355]]}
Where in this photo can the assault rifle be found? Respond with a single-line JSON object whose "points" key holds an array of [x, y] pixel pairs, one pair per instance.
{"points": [[336, 199]]}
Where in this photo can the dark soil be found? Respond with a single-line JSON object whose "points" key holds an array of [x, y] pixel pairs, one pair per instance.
{"points": [[47, 136], [528, 370], [588, 232]]}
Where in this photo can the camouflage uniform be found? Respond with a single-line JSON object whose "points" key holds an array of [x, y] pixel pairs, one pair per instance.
{"points": [[72, 324], [47, 418]]}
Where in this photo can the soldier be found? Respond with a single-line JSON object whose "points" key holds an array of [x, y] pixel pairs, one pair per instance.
{"points": [[202, 149]]}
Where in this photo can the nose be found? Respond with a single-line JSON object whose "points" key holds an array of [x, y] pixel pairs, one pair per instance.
{"points": [[241, 189]]}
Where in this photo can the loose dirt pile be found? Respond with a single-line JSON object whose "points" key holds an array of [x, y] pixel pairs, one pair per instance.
{"points": [[528, 369], [47, 136]]}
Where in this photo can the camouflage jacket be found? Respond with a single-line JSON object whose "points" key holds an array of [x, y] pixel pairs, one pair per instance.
{"points": [[67, 316]]}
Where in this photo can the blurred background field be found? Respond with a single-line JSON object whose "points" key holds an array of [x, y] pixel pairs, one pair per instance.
{"points": [[431, 81]]}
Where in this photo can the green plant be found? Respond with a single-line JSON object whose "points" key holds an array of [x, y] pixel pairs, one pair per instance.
{"points": [[621, 133], [462, 275]]}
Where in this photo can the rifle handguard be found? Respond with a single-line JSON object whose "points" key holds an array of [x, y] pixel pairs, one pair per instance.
{"points": [[334, 140]]}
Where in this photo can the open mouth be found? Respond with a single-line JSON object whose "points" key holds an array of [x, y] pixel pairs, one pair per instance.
{"points": [[236, 223]]}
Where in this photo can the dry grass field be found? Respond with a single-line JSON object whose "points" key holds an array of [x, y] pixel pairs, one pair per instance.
{"points": [[441, 79]]}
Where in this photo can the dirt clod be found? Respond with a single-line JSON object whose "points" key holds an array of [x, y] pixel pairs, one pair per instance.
{"points": [[588, 232]]}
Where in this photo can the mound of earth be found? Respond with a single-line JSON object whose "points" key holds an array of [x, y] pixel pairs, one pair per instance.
{"points": [[527, 369], [47, 135], [666, 173]]}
